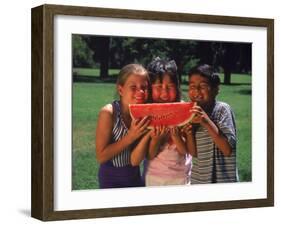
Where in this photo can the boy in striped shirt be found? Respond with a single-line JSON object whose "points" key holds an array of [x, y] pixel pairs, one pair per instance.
{"points": [[213, 129]]}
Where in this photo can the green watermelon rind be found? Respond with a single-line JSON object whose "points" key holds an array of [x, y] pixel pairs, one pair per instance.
{"points": [[183, 123], [178, 125]]}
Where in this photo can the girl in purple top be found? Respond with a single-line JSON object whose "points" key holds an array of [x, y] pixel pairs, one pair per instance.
{"points": [[117, 133]]}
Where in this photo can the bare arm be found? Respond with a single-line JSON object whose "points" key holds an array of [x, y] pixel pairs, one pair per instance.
{"points": [[139, 152], [177, 139], [106, 150], [158, 136], [153, 148], [219, 139], [190, 140]]}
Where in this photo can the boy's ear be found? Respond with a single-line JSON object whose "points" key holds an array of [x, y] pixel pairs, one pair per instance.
{"points": [[216, 91]]}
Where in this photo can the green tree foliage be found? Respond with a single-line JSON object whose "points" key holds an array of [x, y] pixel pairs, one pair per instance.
{"points": [[183, 52], [82, 54], [138, 50], [107, 52], [229, 56], [143, 50], [100, 45]]}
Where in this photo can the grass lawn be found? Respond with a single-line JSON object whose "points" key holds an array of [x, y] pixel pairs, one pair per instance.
{"points": [[88, 98]]}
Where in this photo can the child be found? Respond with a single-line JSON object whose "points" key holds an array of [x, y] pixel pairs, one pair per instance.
{"points": [[214, 128], [169, 163], [116, 132]]}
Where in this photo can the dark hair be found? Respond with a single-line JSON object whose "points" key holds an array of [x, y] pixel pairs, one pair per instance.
{"points": [[208, 72], [158, 68]]}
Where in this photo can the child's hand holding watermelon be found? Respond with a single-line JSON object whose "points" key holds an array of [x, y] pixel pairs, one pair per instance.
{"points": [[159, 132], [177, 138], [188, 133], [200, 116], [187, 129], [158, 136], [138, 127]]}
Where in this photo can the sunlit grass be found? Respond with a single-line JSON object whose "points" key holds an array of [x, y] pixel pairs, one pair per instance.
{"points": [[88, 98]]}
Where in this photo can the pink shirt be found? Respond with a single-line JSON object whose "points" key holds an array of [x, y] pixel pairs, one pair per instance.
{"points": [[169, 163]]}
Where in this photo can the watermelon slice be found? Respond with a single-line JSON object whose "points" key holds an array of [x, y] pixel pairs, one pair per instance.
{"points": [[166, 114]]}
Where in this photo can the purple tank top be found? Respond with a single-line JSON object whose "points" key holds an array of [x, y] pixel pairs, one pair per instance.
{"points": [[118, 172]]}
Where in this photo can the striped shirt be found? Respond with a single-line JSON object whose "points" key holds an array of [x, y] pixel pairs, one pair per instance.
{"points": [[210, 165], [118, 132]]}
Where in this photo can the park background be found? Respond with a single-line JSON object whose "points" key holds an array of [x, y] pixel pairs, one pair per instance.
{"points": [[97, 60], [15, 114]]}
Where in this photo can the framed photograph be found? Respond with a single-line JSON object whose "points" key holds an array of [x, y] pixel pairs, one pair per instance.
{"points": [[77, 54]]}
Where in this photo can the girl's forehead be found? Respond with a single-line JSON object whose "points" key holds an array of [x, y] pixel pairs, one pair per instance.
{"points": [[164, 79], [134, 78]]}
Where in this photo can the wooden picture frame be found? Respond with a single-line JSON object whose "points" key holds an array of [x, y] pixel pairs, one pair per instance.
{"points": [[42, 205]]}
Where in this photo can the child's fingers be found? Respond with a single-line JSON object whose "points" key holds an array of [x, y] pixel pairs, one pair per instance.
{"points": [[197, 114], [144, 121], [197, 108], [183, 129], [160, 129], [173, 131], [145, 125], [177, 130], [186, 128], [165, 130], [135, 121], [157, 130], [196, 111], [189, 128], [151, 133]]}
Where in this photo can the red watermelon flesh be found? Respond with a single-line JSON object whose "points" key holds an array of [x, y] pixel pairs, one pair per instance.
{"points": [[163, 114]]}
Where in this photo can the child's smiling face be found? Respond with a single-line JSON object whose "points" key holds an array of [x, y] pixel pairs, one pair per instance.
{"points": [[134, 90], [165, 91], [200, 90]]}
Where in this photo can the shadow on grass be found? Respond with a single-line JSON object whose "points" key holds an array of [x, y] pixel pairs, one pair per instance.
{"points": [[112, 79], [245, 92], [245, 176], [238, 84], [92, 79], [241, 91]]}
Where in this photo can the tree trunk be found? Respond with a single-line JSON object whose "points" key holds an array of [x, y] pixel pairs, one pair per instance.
{"points": [[104, 57], [227, 76], [101, 48], [180, 72]]}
